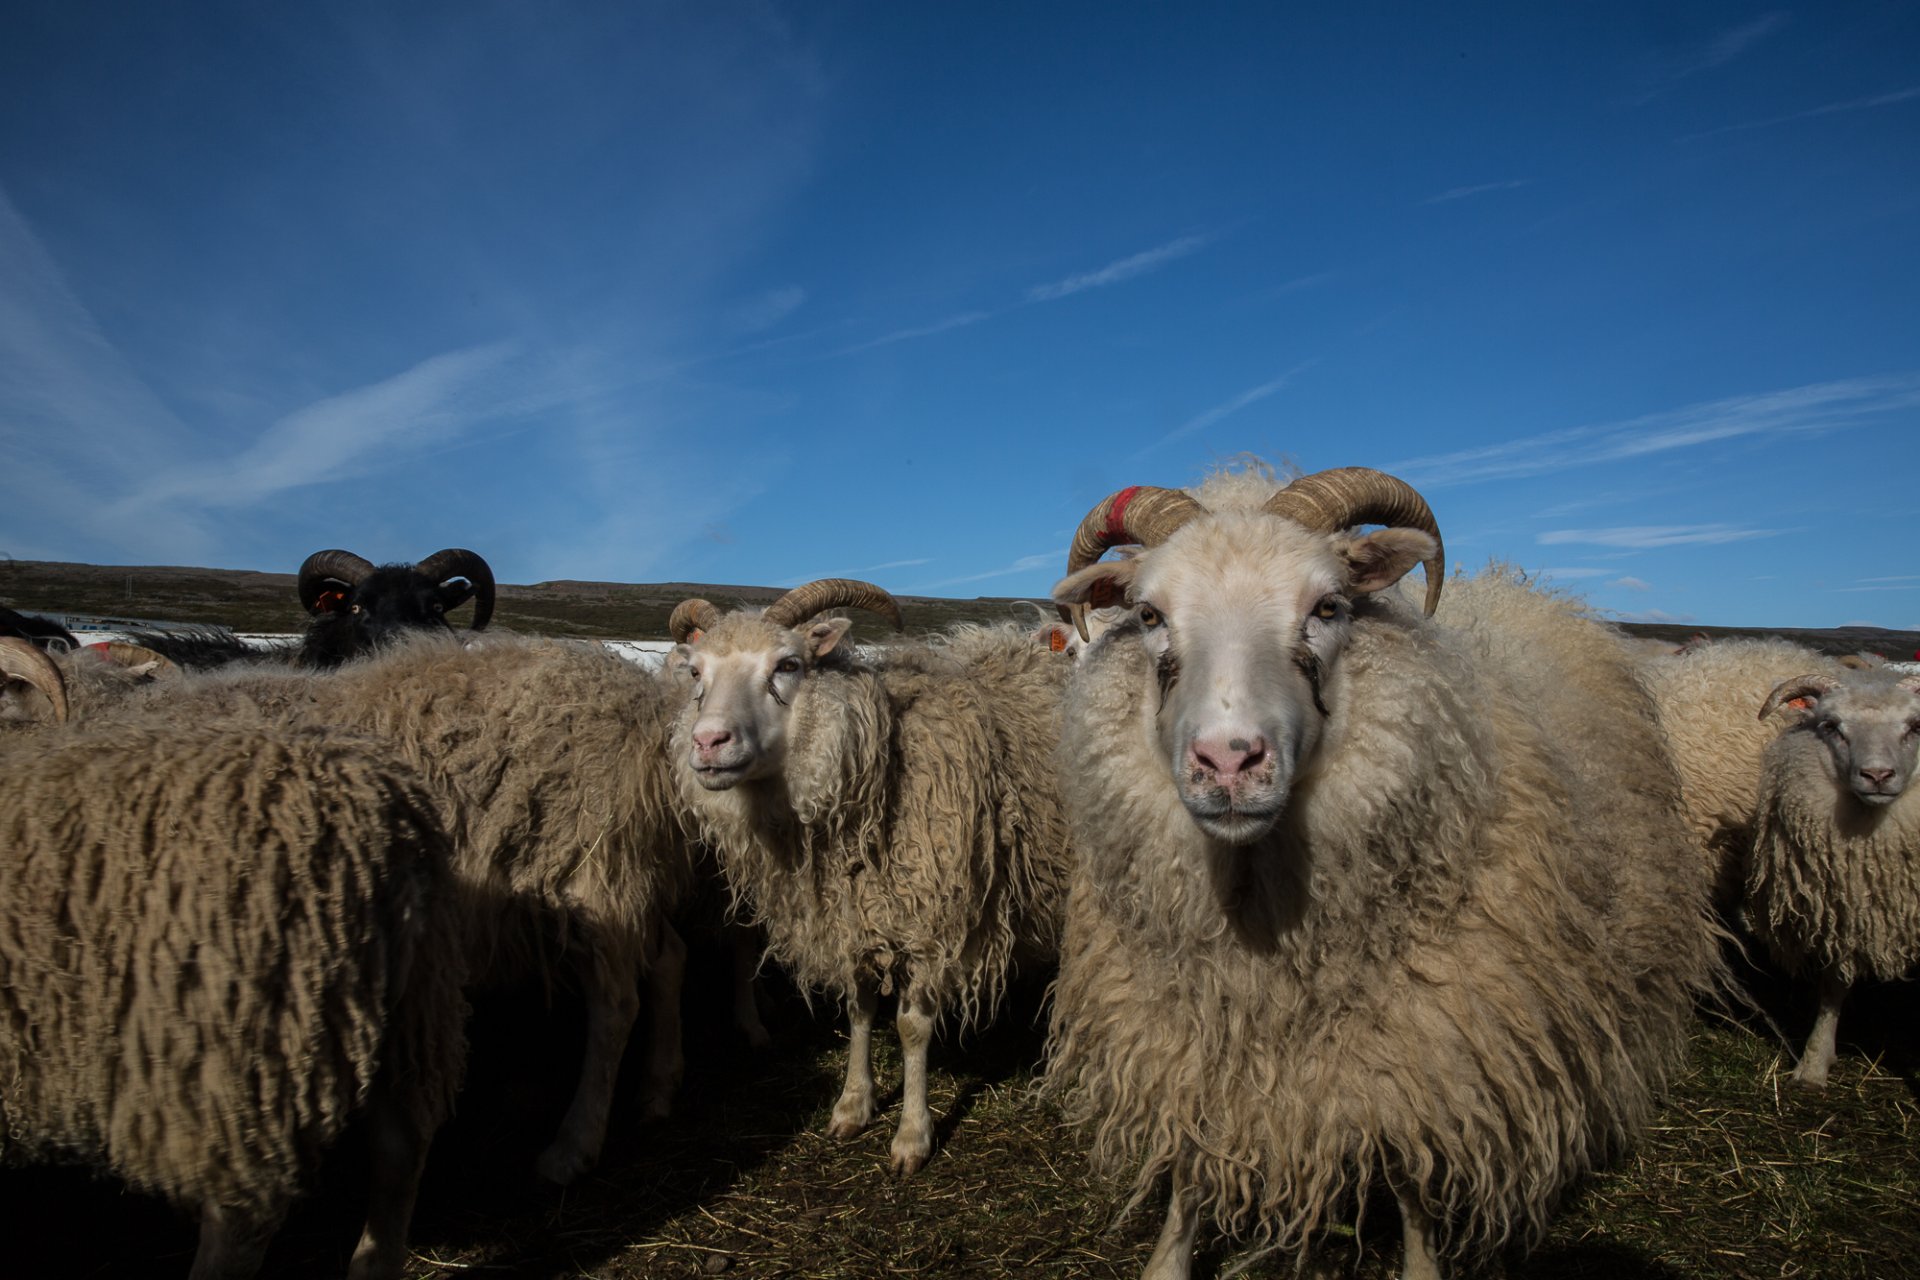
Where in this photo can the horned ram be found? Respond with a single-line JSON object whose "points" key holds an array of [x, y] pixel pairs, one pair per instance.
{"points": [[1362, 900]]}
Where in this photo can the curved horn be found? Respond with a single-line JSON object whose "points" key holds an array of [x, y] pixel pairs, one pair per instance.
{"points": [[832, 593], [690, 617], [22, 660], [122, 654], [1329, 501], [323, 567], [1797, 687], [458, 562], [1139, 514]]}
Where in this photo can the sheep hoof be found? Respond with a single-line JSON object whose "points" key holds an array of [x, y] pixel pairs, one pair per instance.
{"points": [[1803, 1079], [560, 1164], [851, 1116], [908, 1163]]}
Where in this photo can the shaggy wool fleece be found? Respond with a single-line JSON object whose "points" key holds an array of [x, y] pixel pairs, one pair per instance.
{"points": [[1834, 887], [549, 757], [211, 939], [915, 832], [1462, 966]]}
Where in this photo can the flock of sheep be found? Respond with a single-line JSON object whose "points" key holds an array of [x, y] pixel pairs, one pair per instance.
{"points": [[1344, 892]]}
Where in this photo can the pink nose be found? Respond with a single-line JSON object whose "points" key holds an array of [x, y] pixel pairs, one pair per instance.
{"points": [[1878, 777], [1228, 758], [705, 741]]}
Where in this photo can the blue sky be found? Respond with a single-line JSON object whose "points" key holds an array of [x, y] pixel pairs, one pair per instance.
{"points": [[760, 293]]}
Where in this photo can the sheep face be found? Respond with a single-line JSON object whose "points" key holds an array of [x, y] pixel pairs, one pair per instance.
{"points": [[744, 676], [1246, 615], [1868, 726]]}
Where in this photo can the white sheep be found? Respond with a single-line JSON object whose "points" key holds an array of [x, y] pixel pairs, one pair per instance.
{"points": [[1361, 900], [216, 943], [1705, 695], [1833, 888], [893, 821]]}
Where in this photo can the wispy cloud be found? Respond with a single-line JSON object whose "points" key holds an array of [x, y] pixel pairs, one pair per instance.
{"points": [[1730, 44], [1116, 272], [1569, 575], [1818, 407], [1025, 564], [1461, 193], [769, 309], [1113, 273], [1645, 537], [1884, 586], [861, 572], [1201, 421], [1832, 108], [428, 403], [1631, 584], [960, 321], [1723, 48]]}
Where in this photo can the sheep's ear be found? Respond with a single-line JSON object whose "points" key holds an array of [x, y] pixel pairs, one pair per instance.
{"points": [[824, 635], [1054, 636], [1101, 585], [1377, 560], [1801, 694], [679, 659]]}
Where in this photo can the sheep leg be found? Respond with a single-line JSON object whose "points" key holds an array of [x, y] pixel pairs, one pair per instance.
{"points": [[613, 1002], [743, 942], [1817, 1060], [854, 1111], [666, 1058], [399, 1142], [1419, 1261], [913, 1140], [233, 1241], [1173, 1254]]}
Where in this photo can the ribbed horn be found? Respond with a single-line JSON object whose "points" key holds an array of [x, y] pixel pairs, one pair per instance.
{"points": [[690, 616], [323, 567], [1139, 514], [458, 562], [1799, 687], [1329, 501], [22, 660], [832, 593], [122, 654]]}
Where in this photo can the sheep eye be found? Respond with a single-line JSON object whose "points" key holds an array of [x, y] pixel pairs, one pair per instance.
{"points": [[786, 666], [354, 609], [1150, 616], [1327, 610]]}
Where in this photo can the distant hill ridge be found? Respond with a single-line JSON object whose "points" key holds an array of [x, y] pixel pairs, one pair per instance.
{"points": [[255, 600]]}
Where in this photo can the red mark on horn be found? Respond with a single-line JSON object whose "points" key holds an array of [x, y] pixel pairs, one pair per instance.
{"points": [[1116, 531]]}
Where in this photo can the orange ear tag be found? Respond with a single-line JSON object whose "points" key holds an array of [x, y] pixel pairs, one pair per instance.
{"points": [[1057, 640]]}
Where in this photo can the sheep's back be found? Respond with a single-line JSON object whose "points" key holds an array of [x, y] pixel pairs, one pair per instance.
{"points": [[203, 935]]}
